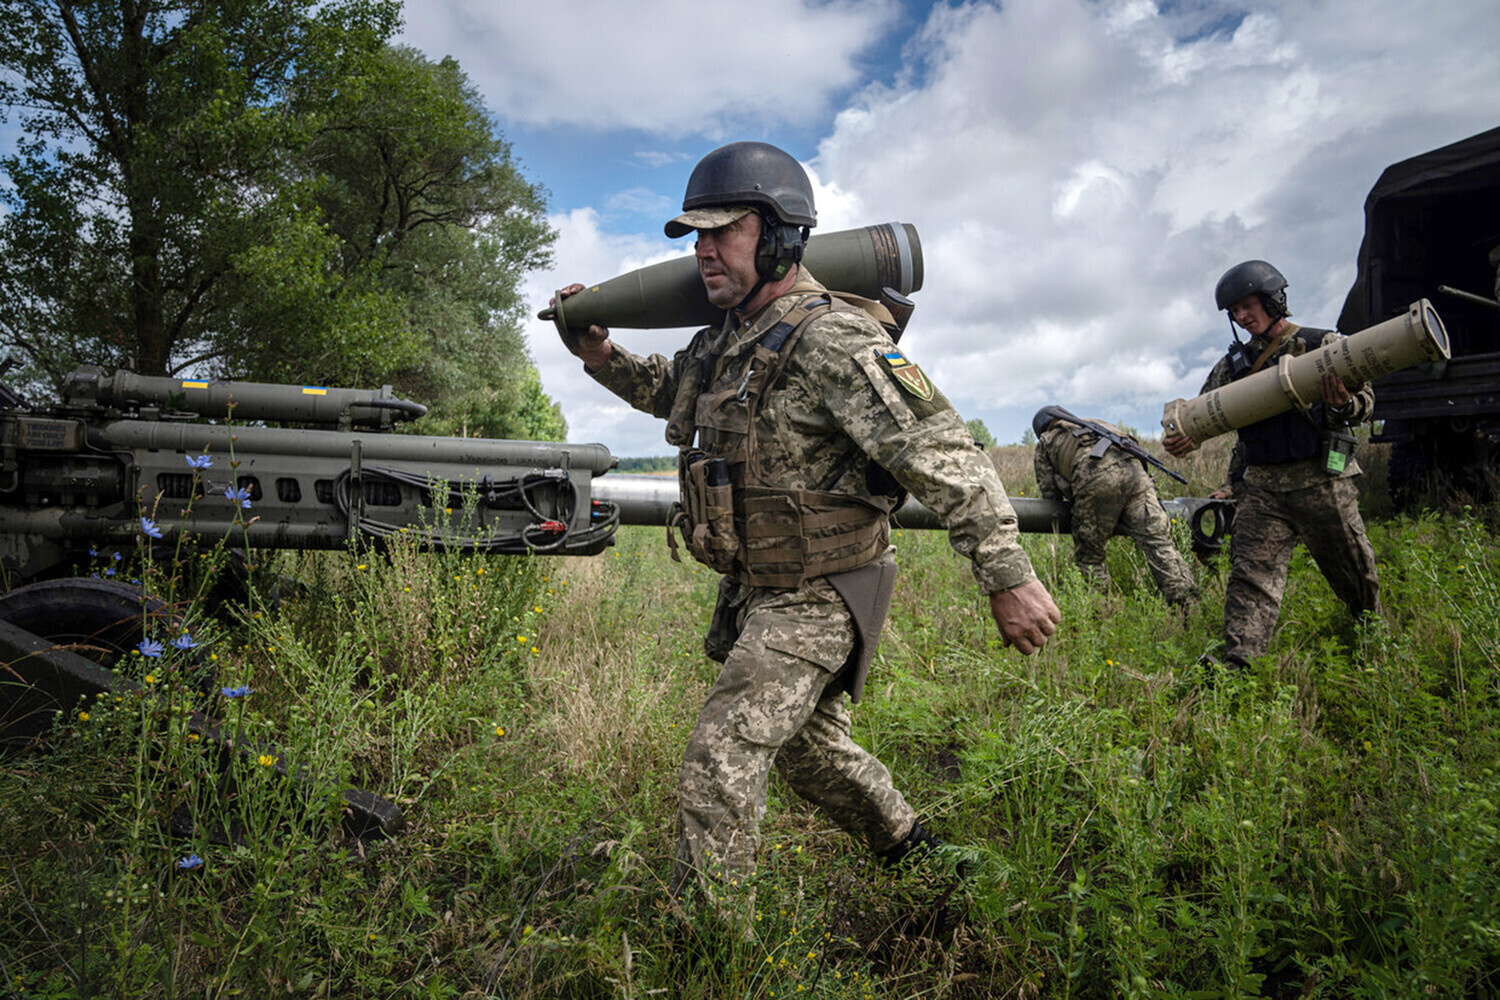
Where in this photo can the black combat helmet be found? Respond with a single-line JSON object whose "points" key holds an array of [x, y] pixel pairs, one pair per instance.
{"points": [[751, 173], [1044, 418], [1253, 277], [759, 176]]}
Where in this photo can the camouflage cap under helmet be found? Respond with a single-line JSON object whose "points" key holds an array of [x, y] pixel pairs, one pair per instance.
{"points": [[1253, 277], [753, 174]]}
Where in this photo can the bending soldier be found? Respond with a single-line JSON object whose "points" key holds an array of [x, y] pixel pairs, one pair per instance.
{"points": [[1292, 476], [794, 422], [1111, 493]]}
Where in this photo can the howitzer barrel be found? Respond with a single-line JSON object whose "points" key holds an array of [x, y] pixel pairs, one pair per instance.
{"points": [[314, 404], [1398, 343], [647, 500], [253, 446], [863, 262]]}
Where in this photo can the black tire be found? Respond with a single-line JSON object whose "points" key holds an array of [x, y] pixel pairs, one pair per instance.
{"points": [[103, 621], [97, 619]]}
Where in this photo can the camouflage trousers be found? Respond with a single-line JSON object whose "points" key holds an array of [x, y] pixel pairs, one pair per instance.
{"points": [[1113, 495], [773, 705], [1267, 526]]}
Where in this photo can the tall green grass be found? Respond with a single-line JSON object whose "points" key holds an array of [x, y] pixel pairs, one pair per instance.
{"points": [[1322, 825]]}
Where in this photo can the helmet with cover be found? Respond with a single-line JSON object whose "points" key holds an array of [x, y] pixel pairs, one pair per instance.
{"points": [[752, 176]]}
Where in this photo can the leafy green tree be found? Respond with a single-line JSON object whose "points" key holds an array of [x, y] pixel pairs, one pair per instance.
{"points": [[980, 433], [428, 205], [262, 189], [154, 136]]}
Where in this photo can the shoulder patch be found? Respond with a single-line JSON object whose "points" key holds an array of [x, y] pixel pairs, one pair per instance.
{"points": [[908, 375]]}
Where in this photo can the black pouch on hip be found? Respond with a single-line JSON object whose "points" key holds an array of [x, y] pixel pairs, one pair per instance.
{"points": [[724, 629], [1337, 451]]}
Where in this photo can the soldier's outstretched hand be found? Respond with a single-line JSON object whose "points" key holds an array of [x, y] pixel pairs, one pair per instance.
{"points": [[591, 346], [1026, 616]]}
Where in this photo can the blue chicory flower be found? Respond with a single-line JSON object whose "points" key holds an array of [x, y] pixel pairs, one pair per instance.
{"points": [[236, 692], [239, 495], [149, 647], [190, 862], [150, 528], [184, 642], [109, 571], [199, 461]]}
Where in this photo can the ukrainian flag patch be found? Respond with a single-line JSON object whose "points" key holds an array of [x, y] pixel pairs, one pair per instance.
{"points": [[314, 390], [908, 375]]}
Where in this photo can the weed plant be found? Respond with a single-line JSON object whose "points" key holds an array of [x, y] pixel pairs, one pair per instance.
{"points": [[1322, 824]]}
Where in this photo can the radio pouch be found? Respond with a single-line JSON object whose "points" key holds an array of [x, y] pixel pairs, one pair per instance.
{"points": [[1337, 451]]}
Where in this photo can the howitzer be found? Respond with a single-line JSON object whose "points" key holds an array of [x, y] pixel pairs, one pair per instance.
{"points": [[120, 453], [120, 447]]}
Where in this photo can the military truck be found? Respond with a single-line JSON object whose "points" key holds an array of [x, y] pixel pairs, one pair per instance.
{"points": [[1432, 230]]}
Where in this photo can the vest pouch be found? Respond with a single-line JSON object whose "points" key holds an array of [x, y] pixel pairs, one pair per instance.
{"points": [[708, 527], [1337, 451]]}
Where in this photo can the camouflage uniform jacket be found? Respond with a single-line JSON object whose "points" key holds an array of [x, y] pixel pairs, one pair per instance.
{"points": [[1058, 451], [839, 405], [1286, 476]]}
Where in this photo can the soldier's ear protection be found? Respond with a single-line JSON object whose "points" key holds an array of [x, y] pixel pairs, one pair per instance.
{"points": [[781, 245]]}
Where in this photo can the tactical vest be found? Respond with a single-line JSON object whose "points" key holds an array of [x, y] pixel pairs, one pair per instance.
{"points": [[731, 517], [1293, 436]]}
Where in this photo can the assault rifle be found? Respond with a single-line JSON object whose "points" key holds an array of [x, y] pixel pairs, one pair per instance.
{"points": [[1108, 437]]}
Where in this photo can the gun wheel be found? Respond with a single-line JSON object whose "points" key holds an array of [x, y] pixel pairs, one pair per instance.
{"points": [[102, 621], [97, 619]]}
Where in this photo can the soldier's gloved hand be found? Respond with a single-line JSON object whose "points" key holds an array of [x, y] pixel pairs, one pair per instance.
{"points": [[591, 346], [1026, 616]]}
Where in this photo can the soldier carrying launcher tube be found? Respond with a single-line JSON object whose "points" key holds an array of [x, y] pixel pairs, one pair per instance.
{"points": [[1292, 475], [797, 422]]}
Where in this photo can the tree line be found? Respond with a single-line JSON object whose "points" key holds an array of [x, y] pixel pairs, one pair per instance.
{"points": [[269, 190]]}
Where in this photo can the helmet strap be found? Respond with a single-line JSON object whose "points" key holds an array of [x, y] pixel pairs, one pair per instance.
{"points": [[760, 282]]}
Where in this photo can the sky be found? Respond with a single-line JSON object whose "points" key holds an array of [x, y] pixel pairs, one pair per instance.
{"points": [[1080, 172]]}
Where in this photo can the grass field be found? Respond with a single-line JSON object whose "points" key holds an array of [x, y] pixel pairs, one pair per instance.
{"points": [[1322, 825]]}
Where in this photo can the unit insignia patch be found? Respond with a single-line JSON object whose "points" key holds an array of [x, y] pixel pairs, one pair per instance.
{"points": [[909, 375]]}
